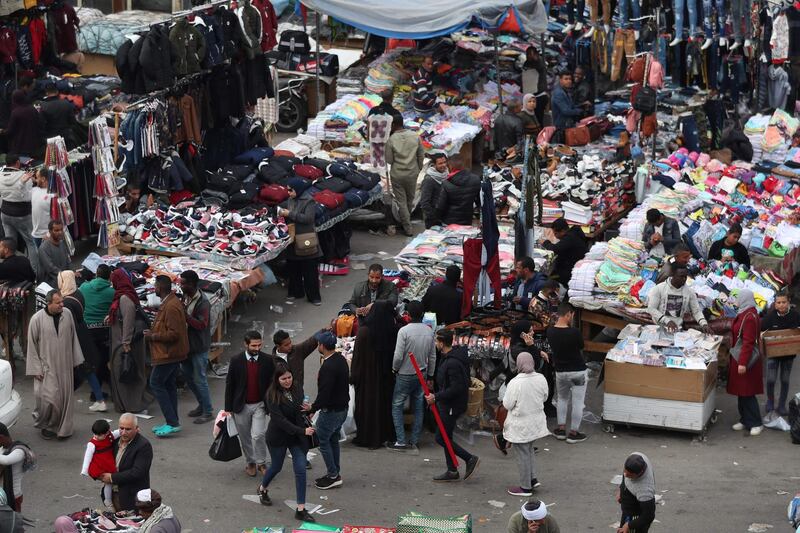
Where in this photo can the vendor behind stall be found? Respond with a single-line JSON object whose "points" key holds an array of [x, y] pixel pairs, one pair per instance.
{"points": [[669, 302], [423, 95], [680, 258], [527, 284], [565, 111], [570, 248], [509, 131], [661, 234], [729, 248]]}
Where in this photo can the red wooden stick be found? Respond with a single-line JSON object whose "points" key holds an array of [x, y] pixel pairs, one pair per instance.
{"points": [[425, 390]]}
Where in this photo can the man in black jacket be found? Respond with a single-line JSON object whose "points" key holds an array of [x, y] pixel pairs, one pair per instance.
{"points": [[14, 268], [459, 196], [431, 189], [570, 248], [59, 116], [508, 129], [249, 376], [198, 317], [333, 397], [444, 299], [134, 455], [452, 394], [374, 289]]}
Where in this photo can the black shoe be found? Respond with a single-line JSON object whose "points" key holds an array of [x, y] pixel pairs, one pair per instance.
{"points": [[575, 437], [202, 419], [472, 465], [326, 483], [194, 413], [263, 496], [447, 476], [48, 435], [303, 516], [397, 447], [535, 483], [560, 433]]}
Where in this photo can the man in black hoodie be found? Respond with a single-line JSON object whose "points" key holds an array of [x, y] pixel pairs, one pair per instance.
{"points": [[452, 394], [59, 116], [570, 248], [458, 197], [444, 299]]}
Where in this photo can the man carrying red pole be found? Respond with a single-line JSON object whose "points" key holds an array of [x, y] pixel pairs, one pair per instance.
{"points": [[449, 402]]}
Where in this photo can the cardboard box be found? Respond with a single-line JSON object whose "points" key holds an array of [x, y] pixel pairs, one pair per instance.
{"points": [[661, 383], [780, 342]]}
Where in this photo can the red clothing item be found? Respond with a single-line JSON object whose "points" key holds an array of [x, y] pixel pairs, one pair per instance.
{"points": [[66, 23], [252, 396], [751, 382], [38, 38], [103, 459], [269, 24]]}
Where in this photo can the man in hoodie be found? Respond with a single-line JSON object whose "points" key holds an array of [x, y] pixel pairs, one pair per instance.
{"points": [[669, 302], [58, 116], [14, 268], [416, 338], [53, 254], [405, 155], [570, 248], [444, 298], [450, 398], [431, 188], [459, 196], [15, 211]]}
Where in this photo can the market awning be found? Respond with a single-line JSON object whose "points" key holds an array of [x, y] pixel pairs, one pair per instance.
{"points": [[423, 19]]}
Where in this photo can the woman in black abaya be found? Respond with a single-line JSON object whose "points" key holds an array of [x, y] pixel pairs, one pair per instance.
{"points": [[372, 378]]}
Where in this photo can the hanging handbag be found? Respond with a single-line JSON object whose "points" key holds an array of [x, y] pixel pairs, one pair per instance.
{"points": [[645, 99], [225, 447], [313, 439], [736, 350], [578, 136]]}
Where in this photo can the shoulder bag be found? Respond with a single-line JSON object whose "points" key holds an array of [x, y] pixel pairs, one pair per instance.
{"points": [[306, 243], [736, 351]]}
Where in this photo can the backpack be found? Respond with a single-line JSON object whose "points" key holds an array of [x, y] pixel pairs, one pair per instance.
{"points": [[645, 100]]}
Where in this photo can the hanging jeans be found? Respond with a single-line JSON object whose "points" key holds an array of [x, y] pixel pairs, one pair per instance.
{"points": [[678, 7], [636, 8], [740, 9], [732, 77], [595, 4], [624, 43], [688, 127], [714, 20], [472, 270], [600, 50], [571, 10], [712, 65]]}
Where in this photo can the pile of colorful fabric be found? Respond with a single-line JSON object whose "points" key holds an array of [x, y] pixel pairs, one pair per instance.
{"points": [[621, 264]]}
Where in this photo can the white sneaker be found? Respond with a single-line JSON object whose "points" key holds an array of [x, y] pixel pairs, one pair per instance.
{"points": [[675, 42], [579, 26], [738, 426], [747, 43], [756, 431], [98, 407], [706, 44], [588, 34], [606, 28], [568, 28], [636, 34], [723, 42], [735, 46]]}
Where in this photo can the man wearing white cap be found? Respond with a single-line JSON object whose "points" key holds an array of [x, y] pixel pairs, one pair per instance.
{"points": [[158, 518], [533, 518]]}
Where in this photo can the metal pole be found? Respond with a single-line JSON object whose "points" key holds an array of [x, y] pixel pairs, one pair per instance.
{"points": [[316, 78], [425, 390], [497, 71]]}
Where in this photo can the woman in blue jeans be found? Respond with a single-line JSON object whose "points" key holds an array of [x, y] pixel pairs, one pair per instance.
{"points": [[287, 431]]}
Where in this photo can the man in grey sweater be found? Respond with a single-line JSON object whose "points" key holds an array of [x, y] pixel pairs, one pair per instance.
{"points": [[53, 254], [405, 155], [416, 338]]}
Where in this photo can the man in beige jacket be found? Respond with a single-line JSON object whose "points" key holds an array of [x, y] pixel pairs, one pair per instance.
{"points": [[405, 155]]}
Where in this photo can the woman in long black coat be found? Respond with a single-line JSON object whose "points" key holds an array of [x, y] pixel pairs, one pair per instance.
{"points": [[371, 375]]}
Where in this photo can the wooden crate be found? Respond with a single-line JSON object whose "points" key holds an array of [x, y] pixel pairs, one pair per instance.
{"points": [[780, 342]]}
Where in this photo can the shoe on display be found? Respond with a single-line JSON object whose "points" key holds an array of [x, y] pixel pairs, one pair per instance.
{"points": [[636, 34], [706, 44], [675, 42], [723, 42], [568, 28], [747, 43], [606, 28], [588, 34], [736, 45], [579, 26]]}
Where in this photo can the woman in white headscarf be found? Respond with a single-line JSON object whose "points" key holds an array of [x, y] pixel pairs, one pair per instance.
{"points": [[745, 370], [526, 421], [528, 115]]}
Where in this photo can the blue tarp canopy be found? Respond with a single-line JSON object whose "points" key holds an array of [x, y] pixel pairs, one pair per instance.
{"points": [[423, 19]]}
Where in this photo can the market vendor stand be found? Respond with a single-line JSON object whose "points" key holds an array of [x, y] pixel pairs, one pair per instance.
{"points": [[16, 309]]}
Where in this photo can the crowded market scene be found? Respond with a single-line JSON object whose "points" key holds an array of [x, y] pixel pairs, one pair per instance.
{"points": [[280, 266]]}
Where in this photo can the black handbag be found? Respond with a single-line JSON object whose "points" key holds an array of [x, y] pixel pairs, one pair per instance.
{"points": [[645, 100], [127, 372], [294, 41], [225, 447], [313, 439]]}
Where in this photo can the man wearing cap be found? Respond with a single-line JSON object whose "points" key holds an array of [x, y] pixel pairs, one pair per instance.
{"points": [[333, 397], [158, 518], [533, 518]]}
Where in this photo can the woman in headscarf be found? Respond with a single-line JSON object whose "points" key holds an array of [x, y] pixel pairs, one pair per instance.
{"points": [[302, 256], [158, 518], [16, 458], [528, 115], [127, 321], [521, 341], [73, 300], [25, 131], [371, 375], [745, 370], [524, 399]]}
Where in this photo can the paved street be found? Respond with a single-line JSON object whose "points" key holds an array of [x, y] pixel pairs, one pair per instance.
{"points": [[723, 485]]}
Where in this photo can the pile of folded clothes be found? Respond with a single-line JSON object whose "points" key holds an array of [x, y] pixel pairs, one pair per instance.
{"points": [[621, 264]]}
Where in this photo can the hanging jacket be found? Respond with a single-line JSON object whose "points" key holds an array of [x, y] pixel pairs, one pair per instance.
{"points": [[157, 58], [66, 25], [126, 62], [232, 34], [190, 47], [59, 119], [8, 45], [212, 35], [269, 24], [38, 39], [250, 20], [24, 47], [779, 41], [778, 87]]}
